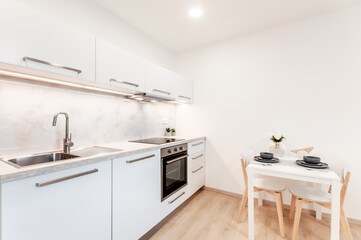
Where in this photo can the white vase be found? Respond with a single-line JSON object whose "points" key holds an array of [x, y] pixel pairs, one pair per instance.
{"points": [[173, 134], [277, 148], [168, 134]]}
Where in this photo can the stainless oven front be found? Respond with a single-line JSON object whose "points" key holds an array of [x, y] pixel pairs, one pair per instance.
{"points": [[174, 169]]}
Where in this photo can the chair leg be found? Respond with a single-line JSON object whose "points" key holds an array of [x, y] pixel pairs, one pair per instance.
{"points": [[345, 225], [296, 222], [292, 209], [283, 211], [280, 213], [243, 204]]}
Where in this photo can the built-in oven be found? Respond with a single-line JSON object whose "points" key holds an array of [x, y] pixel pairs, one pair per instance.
{"points": [[174, 169]]}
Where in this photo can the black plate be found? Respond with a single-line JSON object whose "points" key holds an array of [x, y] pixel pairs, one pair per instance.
{"points": [[320, 165], [264, 160]]}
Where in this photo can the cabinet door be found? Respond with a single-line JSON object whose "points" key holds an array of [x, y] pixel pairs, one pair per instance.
{"points": [[136, 195], [119, 68], [184, 89], [26, 32], [196, 177], [159, 80], [73, 209]]}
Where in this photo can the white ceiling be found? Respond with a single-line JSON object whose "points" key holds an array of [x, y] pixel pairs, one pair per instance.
{"points": [[167, 21]]}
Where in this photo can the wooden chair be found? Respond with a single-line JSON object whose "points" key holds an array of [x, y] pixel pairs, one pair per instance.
{"points": [[272, 186], [304, 194]]}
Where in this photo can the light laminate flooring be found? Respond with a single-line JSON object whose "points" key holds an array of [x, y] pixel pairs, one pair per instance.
{"points": [[212, 215]]}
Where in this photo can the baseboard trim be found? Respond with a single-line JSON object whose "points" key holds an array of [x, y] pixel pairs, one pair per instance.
{"points": [[286, 206], [157, 227]]}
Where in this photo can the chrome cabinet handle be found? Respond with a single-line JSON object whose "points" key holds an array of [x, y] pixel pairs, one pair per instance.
{"points": [[160, 91], [177, 159], [43, 184], [197, 144], [140, 159], [51, 64], [197, 157], [185, 97], [170, 202], [124, 82], [197, 170]]}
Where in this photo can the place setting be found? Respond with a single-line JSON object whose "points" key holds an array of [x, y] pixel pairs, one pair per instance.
{"points": [[312, 162], [266, 158]]}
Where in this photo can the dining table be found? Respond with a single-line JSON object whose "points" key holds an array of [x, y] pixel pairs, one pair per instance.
{"points": [[287, 169]]}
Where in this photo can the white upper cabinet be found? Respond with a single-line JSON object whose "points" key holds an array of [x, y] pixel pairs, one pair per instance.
{"points": [[116, 67], [32, 39], [183, 89], [71, 204], [159, 81]]}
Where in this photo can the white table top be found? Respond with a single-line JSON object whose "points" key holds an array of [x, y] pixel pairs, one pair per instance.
{"points": [[288, 168]]}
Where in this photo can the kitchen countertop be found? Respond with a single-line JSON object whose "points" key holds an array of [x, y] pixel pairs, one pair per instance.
{"points": [[9, 173]]}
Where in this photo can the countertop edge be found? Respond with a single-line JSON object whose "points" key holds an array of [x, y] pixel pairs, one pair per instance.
{"points": [[54, 167]]}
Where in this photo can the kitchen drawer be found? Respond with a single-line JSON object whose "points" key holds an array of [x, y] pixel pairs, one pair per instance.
{"points": [[196, 146], [197, 159], [197, 178], [175, 200]]}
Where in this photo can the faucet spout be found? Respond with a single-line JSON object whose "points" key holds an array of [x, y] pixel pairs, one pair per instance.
{"points": [[67, 140]]}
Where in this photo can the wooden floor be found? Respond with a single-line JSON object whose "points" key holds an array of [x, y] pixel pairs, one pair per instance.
{"points": [[213, 215]]}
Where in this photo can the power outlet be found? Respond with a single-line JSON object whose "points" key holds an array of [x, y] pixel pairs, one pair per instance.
{"points": [[164, 121]]}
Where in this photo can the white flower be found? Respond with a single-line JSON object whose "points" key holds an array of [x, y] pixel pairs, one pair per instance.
{"points": [[277, 135]]}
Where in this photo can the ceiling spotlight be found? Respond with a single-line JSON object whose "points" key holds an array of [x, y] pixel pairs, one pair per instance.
{"points": [[195, 12]]}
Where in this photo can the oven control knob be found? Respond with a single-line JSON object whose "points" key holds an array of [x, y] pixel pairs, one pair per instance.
{"points": [[169, 150], [175, 149], [181, 148]]}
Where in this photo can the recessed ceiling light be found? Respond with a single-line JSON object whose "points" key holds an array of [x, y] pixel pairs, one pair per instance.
{"points": [[195, 12]]}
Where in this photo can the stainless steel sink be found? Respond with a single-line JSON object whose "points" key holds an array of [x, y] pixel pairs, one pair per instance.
{"points": [[39, 158]]}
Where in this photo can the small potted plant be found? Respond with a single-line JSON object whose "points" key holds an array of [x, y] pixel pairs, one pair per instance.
{"points": [[173, 131], [277, 147], [168, 132]]}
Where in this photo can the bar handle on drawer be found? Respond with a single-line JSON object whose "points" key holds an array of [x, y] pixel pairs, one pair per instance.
{"points": [[43, 184], [124, 82], [197, 157], [197, 170], [170, 202], [197, 144], [140, 159], [160, 91], [51, 64]]}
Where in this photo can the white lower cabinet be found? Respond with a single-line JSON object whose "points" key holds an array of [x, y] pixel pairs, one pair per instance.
{"points": [[77, 206], [136, 195]]}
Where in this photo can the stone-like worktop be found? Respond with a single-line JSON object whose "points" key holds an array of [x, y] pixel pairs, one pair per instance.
{"points": [[10, 173]]}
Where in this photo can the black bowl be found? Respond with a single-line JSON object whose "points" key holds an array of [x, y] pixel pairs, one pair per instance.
{"points": [[311, 159], [266, 155]]}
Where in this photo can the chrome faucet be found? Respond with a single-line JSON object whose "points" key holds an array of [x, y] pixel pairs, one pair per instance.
{"points": [[67, 140]]}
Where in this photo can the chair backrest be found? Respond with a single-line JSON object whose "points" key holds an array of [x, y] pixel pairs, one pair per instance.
{"points": [[302, 151], [346, 179], [245, 159]]}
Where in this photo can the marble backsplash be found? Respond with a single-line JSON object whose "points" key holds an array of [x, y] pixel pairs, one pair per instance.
{"points": [[26, 114]]}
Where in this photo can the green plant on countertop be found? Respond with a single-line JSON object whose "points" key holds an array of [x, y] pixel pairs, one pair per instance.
{"points": [[167, 130], [173, 130]]}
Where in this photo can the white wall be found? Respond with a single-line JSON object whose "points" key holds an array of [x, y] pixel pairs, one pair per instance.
{"points": [[91, 17], [302, 78]]}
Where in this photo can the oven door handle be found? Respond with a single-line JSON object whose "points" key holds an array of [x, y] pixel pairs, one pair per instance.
{"points": [[176, 159]]}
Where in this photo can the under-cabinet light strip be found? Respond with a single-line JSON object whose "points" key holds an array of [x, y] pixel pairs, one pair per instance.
{"points": [[57, 82]]}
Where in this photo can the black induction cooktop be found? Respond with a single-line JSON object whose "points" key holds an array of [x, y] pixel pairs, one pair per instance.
{"points": [[157, 141]]}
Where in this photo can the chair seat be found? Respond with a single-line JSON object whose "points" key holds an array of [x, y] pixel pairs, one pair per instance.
{"points": [[270, 184], [310, 193]]}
